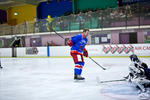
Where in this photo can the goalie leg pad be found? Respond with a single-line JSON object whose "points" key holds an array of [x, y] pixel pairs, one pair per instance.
{"points": [[147, 73]]}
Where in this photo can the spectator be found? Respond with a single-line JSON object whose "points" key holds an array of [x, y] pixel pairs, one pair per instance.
{"points": [[25, 27], [36, 26], [100, 20]]}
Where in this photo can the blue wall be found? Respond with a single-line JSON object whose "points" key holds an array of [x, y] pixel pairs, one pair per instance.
{"points": [[53, 8]]}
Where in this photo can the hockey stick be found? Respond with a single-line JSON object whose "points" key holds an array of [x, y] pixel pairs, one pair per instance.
{"points": [[111, 81], [0, 61], [97, 63], [89, 57], [58, 34], [0, 64]]}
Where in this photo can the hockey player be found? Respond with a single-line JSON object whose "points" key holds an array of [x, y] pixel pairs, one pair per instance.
{"points": [[78, 50], [137, 67], [0, 64], [139, 73]]}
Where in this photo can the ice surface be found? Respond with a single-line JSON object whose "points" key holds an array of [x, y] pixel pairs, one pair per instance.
{"points": [[52, 79]]}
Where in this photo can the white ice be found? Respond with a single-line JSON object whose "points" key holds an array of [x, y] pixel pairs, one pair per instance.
{"points": [[52, 79]]}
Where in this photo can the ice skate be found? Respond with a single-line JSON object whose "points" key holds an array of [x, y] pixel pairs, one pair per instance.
{"points": [[78, 77], [1, 67]]}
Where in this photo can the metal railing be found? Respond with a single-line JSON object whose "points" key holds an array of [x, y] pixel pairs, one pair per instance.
{"points": [[133, 15]]}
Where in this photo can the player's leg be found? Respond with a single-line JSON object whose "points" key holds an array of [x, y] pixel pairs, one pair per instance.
{"points": [[147, 73], [79, 63], [0, 63]]}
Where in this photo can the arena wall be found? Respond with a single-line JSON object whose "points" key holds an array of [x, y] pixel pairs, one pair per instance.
{"points": [[118, 50]]}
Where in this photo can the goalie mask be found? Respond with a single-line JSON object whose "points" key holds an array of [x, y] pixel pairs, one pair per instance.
{"points": [[134, 58]]}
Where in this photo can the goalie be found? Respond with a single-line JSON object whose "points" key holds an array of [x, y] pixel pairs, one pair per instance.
{"points": [[139, 73]]}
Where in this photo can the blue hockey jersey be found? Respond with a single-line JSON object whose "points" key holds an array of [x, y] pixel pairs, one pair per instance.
{"points": [[78, 43]]}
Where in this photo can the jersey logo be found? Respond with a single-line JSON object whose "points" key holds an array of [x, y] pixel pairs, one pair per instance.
{"points": [[82, 44]]}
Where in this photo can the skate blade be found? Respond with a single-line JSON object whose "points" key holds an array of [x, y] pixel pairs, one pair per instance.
{"points": [[76, 80]]}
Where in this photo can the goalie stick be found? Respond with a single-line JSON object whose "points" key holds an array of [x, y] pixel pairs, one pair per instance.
{"points": [[98, 80], [111, 81]]}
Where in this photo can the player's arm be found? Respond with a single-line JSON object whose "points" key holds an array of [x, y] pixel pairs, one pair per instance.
{"points": [[70, 43], [85, 52], [74, 40]]}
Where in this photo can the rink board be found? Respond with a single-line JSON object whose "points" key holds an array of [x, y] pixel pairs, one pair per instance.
{"points": [[105, 50]]}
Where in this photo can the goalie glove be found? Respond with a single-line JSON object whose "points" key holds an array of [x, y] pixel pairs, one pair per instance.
{"points": [[70, 43], [85, 52]]}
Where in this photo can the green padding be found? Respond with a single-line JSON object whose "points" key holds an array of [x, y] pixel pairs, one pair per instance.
{"points": [[93, 4], [146, 41]]}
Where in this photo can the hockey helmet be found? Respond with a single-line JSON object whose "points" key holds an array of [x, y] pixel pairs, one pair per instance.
{"points": [[134, 57]]}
